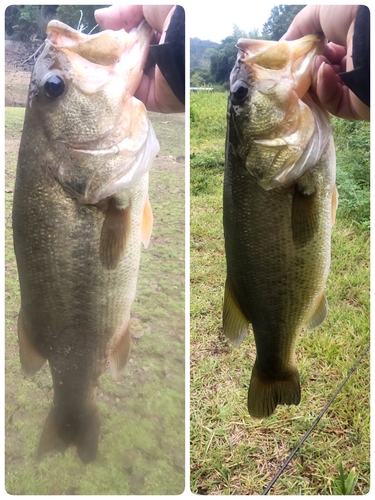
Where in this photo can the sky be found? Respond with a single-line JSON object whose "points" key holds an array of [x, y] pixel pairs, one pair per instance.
{"points": [[209, 20]]}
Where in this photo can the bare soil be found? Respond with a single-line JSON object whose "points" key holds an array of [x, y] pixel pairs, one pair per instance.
{"points": [[141, 449]]}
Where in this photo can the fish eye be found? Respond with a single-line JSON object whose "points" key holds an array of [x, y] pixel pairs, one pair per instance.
{"points": [[240, 91], [54, 86]]}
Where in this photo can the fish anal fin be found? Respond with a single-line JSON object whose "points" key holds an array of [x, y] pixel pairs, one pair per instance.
{"points": [[265, 393], [119, 354], [319, 314], [82, 431], [147, 223], [305, 217], [114, 235], [334, 205], [235, 323], [31, 359]]}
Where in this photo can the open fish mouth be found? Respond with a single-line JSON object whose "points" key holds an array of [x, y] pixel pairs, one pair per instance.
{"points": [[275, 77], [97, 58], [113, 144]]}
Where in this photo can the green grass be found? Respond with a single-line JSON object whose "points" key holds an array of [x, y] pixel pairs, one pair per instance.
{"points": [[142, 439], [231, 453]]}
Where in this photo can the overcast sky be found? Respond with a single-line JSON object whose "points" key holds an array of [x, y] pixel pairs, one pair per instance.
{"points": [[214, 20]]}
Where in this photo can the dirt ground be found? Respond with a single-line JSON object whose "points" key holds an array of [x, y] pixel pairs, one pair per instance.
{"points": [[17, 74], [141, 449]]}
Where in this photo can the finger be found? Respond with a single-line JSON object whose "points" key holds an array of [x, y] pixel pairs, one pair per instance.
{"points": [[156, 15], [306, 22], [333, 94], [335, 53], [332, 20], [156, 94], [117, 17]]}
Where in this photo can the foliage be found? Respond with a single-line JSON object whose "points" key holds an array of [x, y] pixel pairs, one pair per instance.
{"points": [[352, 140], [345, 485], [200, 52], [28, 22], [71, 15], [279, 21], [223, 56], [222, 60]]}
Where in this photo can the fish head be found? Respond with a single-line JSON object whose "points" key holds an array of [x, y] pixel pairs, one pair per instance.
{"points": [[82, 96], [272, 118]]}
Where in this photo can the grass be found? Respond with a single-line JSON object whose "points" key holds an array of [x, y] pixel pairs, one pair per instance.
{"points": [[231, 453], [142, 440]]}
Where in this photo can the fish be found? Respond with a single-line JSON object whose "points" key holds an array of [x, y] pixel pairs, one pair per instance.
{"points": [[279, 205], [81, 213]]}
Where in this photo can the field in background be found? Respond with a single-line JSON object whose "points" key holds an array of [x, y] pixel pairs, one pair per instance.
{"points": [[231, 453], [142, 440]]}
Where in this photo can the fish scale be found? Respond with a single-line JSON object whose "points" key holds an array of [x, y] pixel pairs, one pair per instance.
{"points": [[80, 213], [277, 225]]}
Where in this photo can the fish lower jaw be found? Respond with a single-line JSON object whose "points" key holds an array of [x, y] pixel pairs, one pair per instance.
{"points": [[124, 145]]}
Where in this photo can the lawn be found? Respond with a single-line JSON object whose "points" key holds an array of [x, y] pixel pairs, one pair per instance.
{"points": [[231, 453]]}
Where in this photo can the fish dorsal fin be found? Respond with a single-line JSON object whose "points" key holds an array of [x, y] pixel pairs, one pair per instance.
{"points": [[334, 204], [31, 359], [114, 236], [319, 315], [119, 354], [305, 217], [235, 324], [147, 223]]}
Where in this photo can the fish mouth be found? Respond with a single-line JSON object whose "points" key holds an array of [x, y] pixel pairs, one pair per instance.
{"points": [[273, 60], [104, 48], [86, 147], [288, 128], [97, 58], [128, 160]]}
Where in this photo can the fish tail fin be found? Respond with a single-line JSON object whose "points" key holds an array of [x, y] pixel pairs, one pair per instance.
{"points": [[265, 394], [58, 433]]}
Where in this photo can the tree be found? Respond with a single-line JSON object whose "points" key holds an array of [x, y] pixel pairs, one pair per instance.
{"points": [[29, 22], [279, 21], [80, 17]]}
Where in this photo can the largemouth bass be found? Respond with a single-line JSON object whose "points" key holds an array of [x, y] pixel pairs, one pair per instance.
{"points": [[81, 211], [280, 202]]}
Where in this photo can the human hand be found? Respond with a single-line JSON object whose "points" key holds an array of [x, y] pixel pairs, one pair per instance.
{"points": [[153, 90], [336, 23]]}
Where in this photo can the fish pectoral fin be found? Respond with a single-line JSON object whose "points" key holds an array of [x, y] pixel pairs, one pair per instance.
{"points": [[82, 431], [265, 394], [147, 223], [235, 323], [334, 205], [31, 359], [319, 314], [305, 217], [114, 235], [119, 354]]}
